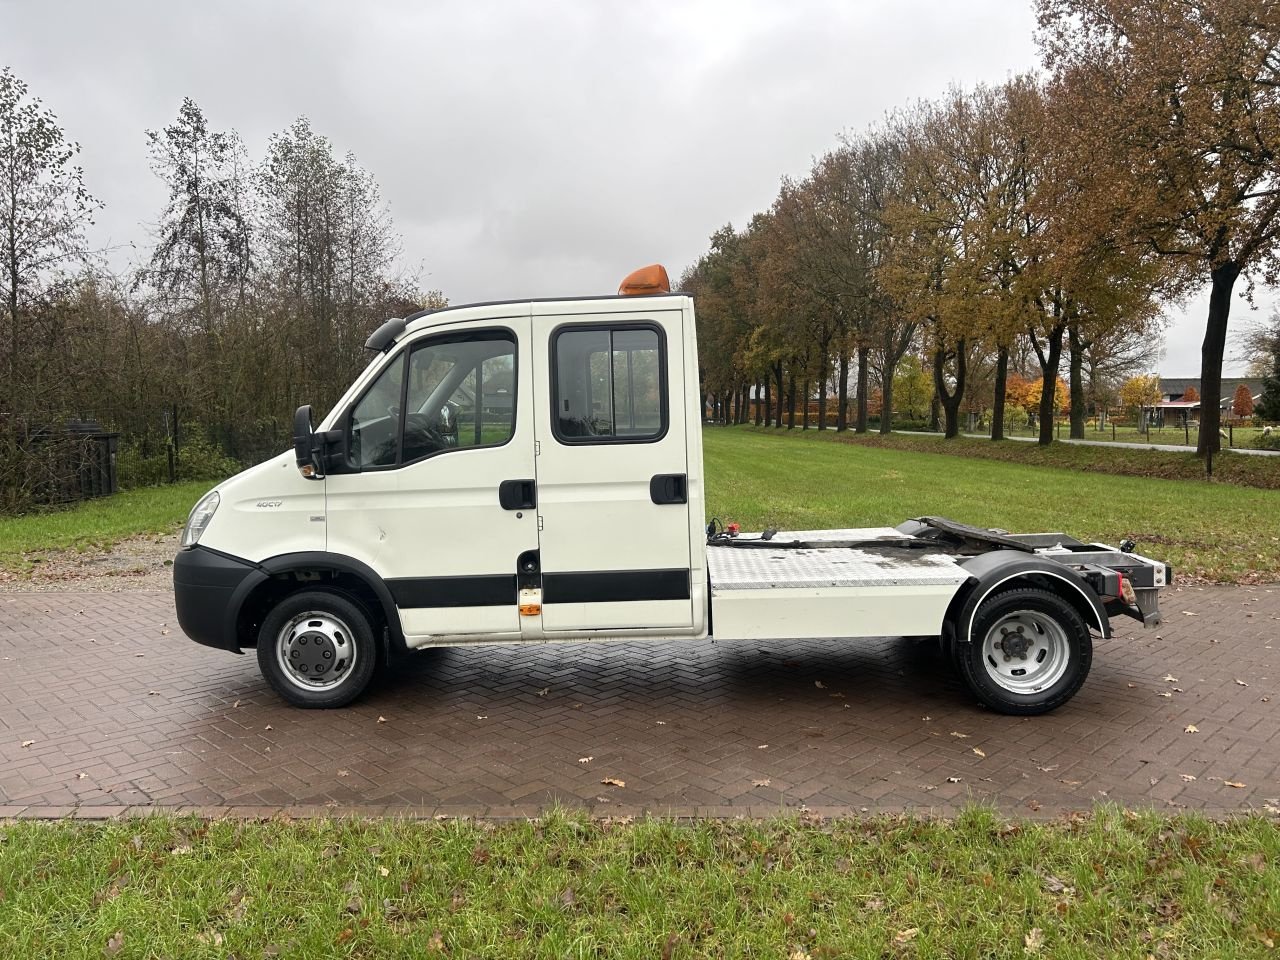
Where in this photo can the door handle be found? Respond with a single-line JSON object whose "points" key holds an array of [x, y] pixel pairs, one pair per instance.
{"points": [[518, 494], [669, 488]]}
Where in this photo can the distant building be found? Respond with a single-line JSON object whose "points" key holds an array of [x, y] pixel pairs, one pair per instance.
{"points": [[1173, 389]]}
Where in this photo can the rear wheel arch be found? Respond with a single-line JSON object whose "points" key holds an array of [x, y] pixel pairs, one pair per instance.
{"points": [[993, 573]]}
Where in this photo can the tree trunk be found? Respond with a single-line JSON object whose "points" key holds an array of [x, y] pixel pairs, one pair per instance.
{"points": [[791, 400], [761, 399], [805, 416], [1215, 340], [777, 371], [1075, 363], [1049, 384], [822, 405], [842, 412], [764, 409], [863, 378], [935, 412], [1001, 387], [950, 401], [886, 405]]}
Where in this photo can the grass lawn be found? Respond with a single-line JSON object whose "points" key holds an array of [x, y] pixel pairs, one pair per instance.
{"points": [[97, 523], [1113, 885], [806, 480]]}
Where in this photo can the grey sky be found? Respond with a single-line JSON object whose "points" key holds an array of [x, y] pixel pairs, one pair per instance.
{"points": [[525, 150]]}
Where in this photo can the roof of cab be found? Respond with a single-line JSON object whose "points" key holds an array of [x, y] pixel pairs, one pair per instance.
{"points": [[549, 306]]}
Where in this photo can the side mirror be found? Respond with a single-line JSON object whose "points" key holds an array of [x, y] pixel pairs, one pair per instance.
{"points": [[304, 445]]}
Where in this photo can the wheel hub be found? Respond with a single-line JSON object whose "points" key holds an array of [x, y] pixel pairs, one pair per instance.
{"points": [[316, 650], [1014, 643]]}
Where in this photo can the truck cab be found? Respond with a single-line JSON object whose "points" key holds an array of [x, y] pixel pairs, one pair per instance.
{"points": [[532, 471]]}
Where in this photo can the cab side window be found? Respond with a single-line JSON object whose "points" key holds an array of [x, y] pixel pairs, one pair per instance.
{"points": [[461, 393], [450, 392], [609, 384]]}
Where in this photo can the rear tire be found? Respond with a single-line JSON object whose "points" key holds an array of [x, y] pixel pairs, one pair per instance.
{"points": [[1029, 652], [316, 649]]}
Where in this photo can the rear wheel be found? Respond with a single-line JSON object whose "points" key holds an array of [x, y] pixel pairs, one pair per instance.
{"points": [[316, 648], [1029, 652]]}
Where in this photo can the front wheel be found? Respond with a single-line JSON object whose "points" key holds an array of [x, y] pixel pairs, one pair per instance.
{"points": [[316, 649], [1029, 652]]}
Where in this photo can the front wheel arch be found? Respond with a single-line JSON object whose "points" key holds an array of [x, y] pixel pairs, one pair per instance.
{"points": [[289, 573]]}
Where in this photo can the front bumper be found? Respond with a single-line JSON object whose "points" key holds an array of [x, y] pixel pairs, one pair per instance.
{"points": [[208, 590]]}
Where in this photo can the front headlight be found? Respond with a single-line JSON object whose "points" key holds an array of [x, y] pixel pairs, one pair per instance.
{"points": [[201, 514]]}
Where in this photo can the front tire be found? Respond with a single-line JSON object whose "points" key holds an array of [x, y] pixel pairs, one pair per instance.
{"points": [[316, 649], [1029, 652]]}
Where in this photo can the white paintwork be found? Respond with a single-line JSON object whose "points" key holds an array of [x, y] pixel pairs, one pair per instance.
{"points": [[854, 611], [266, 511]]}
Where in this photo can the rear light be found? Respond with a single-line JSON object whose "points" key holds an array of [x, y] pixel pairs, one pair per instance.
{"points": [[1126, 591]]}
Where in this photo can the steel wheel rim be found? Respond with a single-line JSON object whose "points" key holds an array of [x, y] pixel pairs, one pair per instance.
{"points": [[1026, 652], [316, 651]]}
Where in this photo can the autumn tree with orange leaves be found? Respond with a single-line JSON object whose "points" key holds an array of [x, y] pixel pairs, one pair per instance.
{"points": [[1173, 138]]}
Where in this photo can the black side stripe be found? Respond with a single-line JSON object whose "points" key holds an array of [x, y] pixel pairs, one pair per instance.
{"points": [[481, 591], [500, 590], [615, 585]]}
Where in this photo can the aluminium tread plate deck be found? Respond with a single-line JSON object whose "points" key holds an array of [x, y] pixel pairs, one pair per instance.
{"points": [[766, 568]]}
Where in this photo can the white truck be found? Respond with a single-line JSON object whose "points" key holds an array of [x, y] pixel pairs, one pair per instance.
{"points": [[531, 471]]}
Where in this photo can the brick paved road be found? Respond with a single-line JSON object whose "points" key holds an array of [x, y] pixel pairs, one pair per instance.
{"points": [[126, 712]]}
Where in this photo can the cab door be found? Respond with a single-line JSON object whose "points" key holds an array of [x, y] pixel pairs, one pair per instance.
{"points": [[612, 472], [440, 498]]}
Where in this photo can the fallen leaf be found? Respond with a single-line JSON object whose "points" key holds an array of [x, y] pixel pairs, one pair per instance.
{"points": [[384, 871], [1235, 783], [544, 691], [344, 773], [799, 953], [1188, 777], [661, 723], [926, 719], [1189, 613], [236, 704], [27, 743], [906, 936], [482, 716], [436, 943], [1054, 885], [957, 733], [1048, 769], [1130, 685], [1170, 678], [1033, 804], [953, 779], [1241, 683], [567, 898], [761, 783], [763, 746], [354, 905], [1033, 941], [979, 752], [1166, 694], [1191, 728], [114, 944], [585, 759], [153, 693], [614, 782], [269, 727], [819, 684], [82, 776], [181, 850], [382, 719], [875, 904]]}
